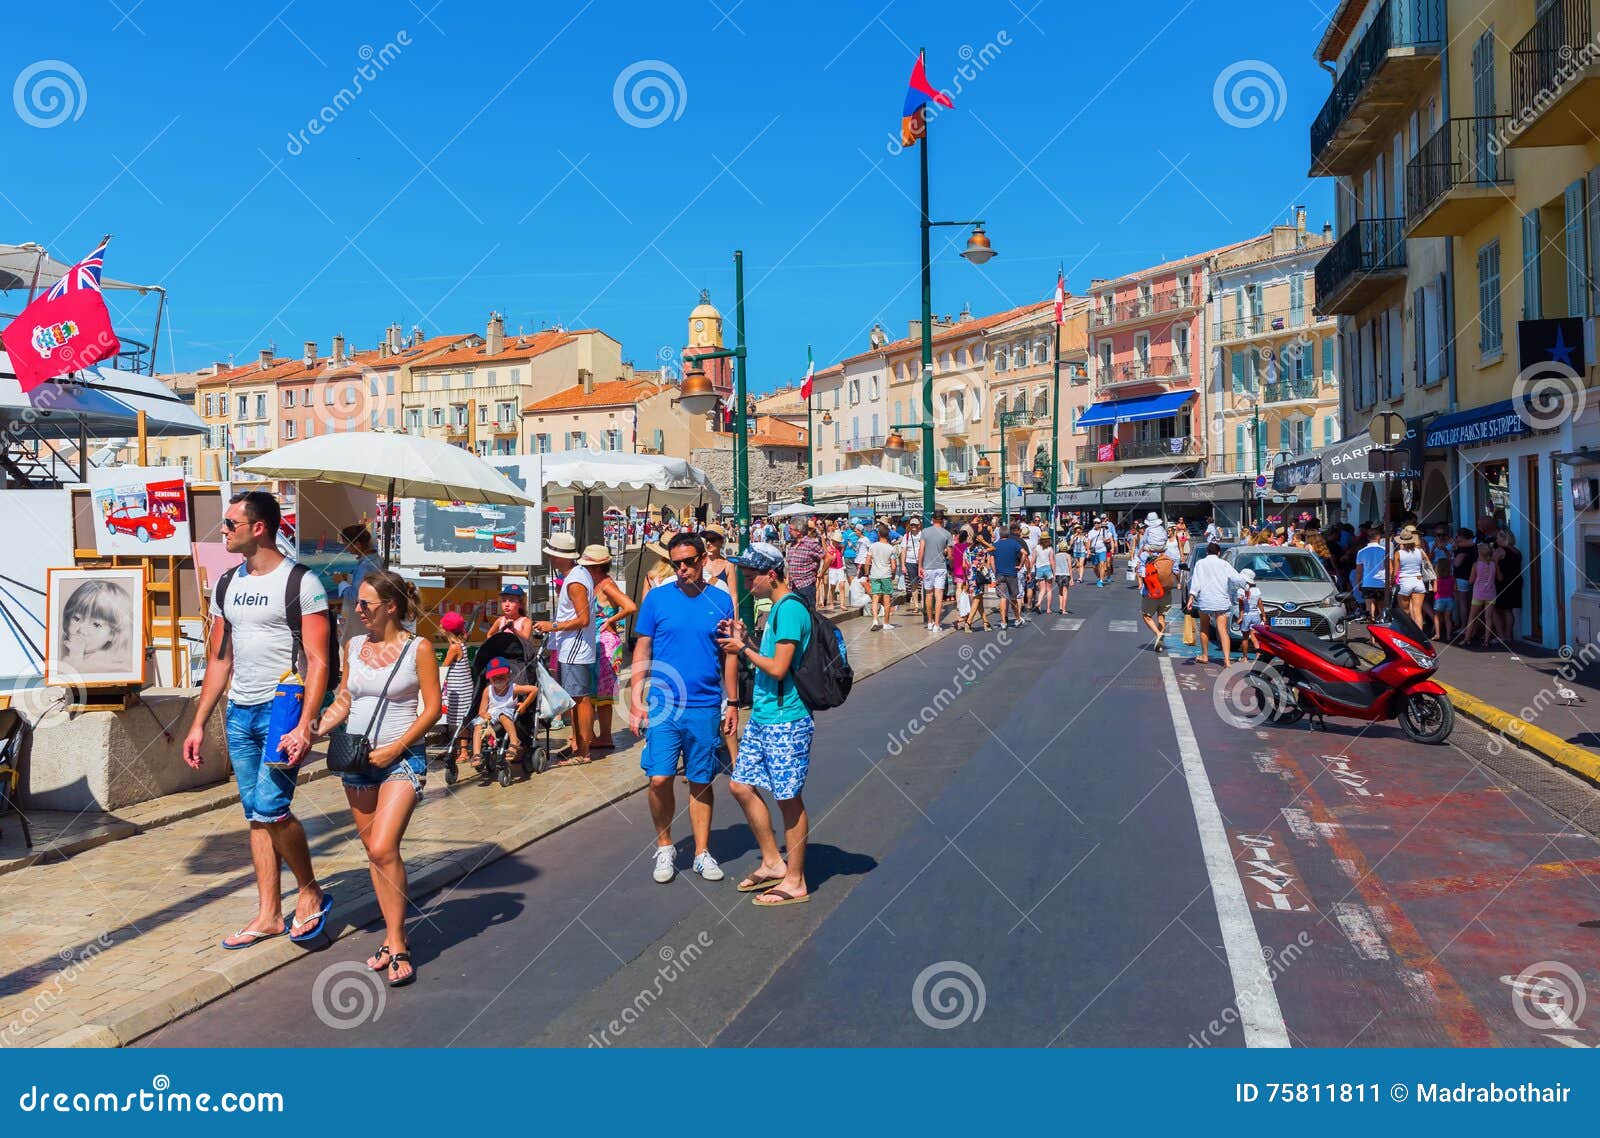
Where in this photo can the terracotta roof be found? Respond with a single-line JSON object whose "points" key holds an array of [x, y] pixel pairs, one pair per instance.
{"points": [[772, 431], [1166, 266], [958, 331], [613, 393], [253, 373], [512, 348]]}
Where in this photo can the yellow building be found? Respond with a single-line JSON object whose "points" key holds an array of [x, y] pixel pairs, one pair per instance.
{"points": [[1511, 179]]}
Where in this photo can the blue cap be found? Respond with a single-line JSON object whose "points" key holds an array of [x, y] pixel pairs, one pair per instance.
{"points": [[762, 556], [511, 590]]}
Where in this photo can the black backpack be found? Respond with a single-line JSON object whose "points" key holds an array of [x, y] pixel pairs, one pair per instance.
{"points": [[292, 616], [822, 673]]}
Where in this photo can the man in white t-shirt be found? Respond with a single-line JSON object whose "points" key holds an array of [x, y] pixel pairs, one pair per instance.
{"points": [[572, 643], [250, 647], [883, 562]]}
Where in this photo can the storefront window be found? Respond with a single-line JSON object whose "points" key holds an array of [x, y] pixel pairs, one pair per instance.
{"points": [[1493, 490]]}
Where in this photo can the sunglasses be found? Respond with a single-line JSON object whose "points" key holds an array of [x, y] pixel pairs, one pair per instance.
{"points": [[680, 562], [230, 525], [368, 606]]}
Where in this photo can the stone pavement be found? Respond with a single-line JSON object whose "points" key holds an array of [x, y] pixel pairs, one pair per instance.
{"points": [[107, 944]]}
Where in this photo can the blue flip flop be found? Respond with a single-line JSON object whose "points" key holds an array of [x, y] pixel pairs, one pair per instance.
{"points": [[255, 938], [314, 928]]}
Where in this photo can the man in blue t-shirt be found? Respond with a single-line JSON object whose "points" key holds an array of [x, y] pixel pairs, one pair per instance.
{"points": [[688, 676], [775, 750], [1371, 562], [1010, 558]]}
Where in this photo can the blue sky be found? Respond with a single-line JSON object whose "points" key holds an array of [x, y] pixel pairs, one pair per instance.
{"points": [[486, 164]]}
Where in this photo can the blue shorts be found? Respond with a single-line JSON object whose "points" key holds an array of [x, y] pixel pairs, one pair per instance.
{"points": [[776, 757], [265, 792], [693, 734], [1044, 573], [411, 767], [1444, 604]]}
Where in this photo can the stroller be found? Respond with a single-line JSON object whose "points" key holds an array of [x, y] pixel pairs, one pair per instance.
{"points": [[536, 751]]}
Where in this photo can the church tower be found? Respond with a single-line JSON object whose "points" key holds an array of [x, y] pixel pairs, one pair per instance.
{"points": [[705, 332]]}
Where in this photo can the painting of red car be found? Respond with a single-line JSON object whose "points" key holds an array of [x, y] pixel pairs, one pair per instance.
{"points": [[126, 519]]}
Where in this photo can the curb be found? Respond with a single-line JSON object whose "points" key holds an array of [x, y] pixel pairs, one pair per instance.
{"points": [[1569, 756], [216, 980]]}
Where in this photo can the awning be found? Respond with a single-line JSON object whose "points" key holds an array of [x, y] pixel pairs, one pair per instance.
{"points": [[1133, 409], [1136, 479], [1478, 426], [1343, 461]]}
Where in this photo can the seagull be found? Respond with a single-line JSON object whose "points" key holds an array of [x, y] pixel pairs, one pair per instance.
{"points": [[1565, 693]]}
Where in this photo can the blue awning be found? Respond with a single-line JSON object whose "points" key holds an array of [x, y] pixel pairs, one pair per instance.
{"points": [[1476, 426], [1133, 409]]}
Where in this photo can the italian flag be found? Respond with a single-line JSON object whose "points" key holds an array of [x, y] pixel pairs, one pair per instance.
{"points": [[1061, 295], [811, 368]]}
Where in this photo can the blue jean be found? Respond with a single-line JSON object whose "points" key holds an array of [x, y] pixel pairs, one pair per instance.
{"points": [[265, 792], [411, 767]]}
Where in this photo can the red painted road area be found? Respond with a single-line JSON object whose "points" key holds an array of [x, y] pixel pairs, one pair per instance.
{"points": [[1404, 895]]}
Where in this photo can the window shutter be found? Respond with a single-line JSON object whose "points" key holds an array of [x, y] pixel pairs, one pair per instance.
{"points": [[1238, 372], [1297, 299], [1238, 444], [1327, 360], [1594, 238], [1419, 333], [1531, 252], [1284, 434], [1577, 252]]}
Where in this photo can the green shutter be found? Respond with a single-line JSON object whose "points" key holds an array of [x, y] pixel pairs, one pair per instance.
{"points": [[1532, 255], [1297, 299], [1577, 252]]}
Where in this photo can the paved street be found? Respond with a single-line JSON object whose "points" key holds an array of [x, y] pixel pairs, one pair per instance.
{"points": [[1070, 847]]}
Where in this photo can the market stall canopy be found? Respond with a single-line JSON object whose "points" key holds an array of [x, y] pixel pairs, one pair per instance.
{"points": [[107, 399], [861, 481], [1133, 409], [397, 465], [623, 480], [29, 266]]}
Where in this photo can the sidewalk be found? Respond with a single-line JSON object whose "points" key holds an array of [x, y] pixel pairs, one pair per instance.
{"points": [[112, 942]]}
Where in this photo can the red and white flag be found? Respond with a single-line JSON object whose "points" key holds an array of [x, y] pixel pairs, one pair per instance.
{"points": [[66, 329], [1061, 296], [811, 371]]}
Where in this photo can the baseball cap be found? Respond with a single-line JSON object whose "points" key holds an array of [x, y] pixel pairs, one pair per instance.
{"points": [[762, 556], [1248, 575], [511, 590], [452, 622], [498, 667]]}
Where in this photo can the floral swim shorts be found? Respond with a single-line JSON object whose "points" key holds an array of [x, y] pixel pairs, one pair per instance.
{"points": [[775, 756]]}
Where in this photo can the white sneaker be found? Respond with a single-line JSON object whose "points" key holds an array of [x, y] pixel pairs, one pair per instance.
{"points": [[887, 627], [666, 864], [875, 628], [706, 866]]}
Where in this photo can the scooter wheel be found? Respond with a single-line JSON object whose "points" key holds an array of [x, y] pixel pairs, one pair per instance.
{"points": [[1427, 718]]}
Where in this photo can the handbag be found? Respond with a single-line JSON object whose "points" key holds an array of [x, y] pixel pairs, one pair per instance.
{"points": [[1189, 635], [1429, 574], [352, 754]]}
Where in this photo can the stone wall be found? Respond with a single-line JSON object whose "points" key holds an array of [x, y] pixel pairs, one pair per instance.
{"points": [[775, 473]]}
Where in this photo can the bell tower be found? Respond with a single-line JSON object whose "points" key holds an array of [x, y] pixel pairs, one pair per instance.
{"points": [[705, 332]]}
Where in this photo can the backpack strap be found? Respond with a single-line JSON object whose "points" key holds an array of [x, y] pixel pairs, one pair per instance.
{"points": [[292, 614], [222, 605]]}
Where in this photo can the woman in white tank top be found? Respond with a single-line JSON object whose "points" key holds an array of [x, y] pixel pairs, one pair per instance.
{"points": [[382, 800]]}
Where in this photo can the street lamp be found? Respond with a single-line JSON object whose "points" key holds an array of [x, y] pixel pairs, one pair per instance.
{"points": [[699, 397], [811, 444]]}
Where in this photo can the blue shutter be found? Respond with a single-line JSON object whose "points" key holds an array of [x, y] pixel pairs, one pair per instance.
{"points": [[1577, 252], [1297, 299], [1532, 256]]}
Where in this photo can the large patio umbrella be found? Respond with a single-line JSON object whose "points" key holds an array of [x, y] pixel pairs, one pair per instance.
{"points": [[395, 465], [860, 482]]}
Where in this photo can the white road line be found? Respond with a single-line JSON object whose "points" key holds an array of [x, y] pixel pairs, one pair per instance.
{"points": [[1253, 991]]}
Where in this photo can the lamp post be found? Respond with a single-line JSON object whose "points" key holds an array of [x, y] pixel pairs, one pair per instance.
{"points": [[978, 251], [699, 397], [811, 442], [1009, 419]]}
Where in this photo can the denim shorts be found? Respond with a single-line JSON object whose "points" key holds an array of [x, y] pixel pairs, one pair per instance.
{"points": [[1444, 604], [265, 792], [693, 734], [410, 767]]}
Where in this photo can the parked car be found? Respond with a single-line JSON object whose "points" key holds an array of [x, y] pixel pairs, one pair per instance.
{"points": [[1296, 591], [125, 519]]}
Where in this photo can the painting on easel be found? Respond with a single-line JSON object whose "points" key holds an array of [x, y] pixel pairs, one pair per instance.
{"points": [[95, 632]]}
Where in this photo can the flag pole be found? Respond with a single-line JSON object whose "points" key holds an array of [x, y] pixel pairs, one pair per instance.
{"points": [[1055, 407]]}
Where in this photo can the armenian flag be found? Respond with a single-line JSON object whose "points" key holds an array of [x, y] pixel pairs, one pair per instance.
{"points": [[913, 120]]}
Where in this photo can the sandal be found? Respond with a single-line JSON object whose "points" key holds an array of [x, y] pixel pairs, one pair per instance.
{"points": [[765, 900], [401, 958], [383, 950], [754, 884]]}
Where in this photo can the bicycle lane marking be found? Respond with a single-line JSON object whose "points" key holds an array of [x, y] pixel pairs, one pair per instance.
{"points": [[1255, 995]]}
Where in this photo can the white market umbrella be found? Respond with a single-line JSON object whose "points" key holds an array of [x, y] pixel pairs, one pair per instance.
{"points": [[395, 465], [861, 481], [624, 480]]}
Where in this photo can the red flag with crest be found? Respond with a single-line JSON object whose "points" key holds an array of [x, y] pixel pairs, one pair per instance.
{"points": [[66, 329]]}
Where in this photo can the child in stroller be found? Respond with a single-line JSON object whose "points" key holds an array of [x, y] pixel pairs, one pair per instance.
{"points": [[505, 698]]}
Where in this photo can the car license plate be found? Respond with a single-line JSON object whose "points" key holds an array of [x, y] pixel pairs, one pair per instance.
{"points": [[1291, 622]]}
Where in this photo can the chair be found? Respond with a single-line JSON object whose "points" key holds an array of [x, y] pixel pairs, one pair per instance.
{"points": [[11, 725]]}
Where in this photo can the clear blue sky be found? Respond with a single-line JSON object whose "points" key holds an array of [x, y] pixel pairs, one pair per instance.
{"points": [[486, 164]]}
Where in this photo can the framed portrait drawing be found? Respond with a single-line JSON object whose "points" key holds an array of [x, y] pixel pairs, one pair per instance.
{"points": [[94, 632]]}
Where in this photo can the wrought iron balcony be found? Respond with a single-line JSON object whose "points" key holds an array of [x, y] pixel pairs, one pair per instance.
{"points": [[1369, 259], [1395, 61], [862, 443], [1134, 450], [1457, 178], [1555, 78], [1157, 305]]}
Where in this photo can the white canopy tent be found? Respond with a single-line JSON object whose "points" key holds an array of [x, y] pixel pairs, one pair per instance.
{"points": [[861, 482], [624, 480]]}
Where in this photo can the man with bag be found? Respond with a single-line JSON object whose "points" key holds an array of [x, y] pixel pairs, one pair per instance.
{"points": [[251, 646]]}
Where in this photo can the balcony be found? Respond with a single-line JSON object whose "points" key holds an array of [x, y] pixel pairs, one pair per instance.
{"points": [[862, 443], [1389, 72], [1458, 177], [1180, 448], [1154, 307], [1259, 325], [1290, 391], [1160, 370], [1555, 79], [1361, 266]]}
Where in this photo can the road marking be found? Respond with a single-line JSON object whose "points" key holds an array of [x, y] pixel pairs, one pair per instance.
{"points": [[1123, 626], [1359, 929], [1070, 624], [1300, 824], [1254, 994]]}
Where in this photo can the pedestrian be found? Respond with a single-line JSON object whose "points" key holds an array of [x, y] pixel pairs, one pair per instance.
{"points": [[980, 576], [805, 559], [1212, 588], [571, 642], [513, 612], [1099, 554], [911, 552], [1010, 560], [254, 641], [458, 686], [960, 549], [934, 569], [612, 607], [1444, 593], [1371, 565], [1508, 585], [1079, 547], [692, 700], [1044, 571], [1484, 590], [390, 696], [1154, 601], [1407, 568], [838, 583], [775, 750], [883, 562], [1249, 614], [1063, 574], [718, 570]]}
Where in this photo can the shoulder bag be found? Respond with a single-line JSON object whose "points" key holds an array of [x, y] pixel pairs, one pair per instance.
{"points": [[352, 754]]}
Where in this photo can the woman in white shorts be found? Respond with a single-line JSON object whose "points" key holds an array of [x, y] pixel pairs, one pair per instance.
{"points": [[1405, 570]]}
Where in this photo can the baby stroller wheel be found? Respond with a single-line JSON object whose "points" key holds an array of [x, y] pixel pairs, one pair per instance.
{"points": [[451, 771], [535, 760], [504, 773]]}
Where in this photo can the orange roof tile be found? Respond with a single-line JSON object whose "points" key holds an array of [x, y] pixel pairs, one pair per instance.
{"points": [[512, 348], [965, 328], [613, 393], [1167, 266]]}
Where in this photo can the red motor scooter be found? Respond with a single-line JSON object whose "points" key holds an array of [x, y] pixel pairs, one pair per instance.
{"points": [[1300, 674]]}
